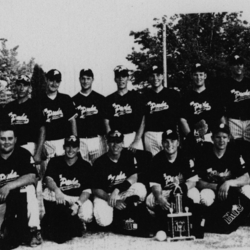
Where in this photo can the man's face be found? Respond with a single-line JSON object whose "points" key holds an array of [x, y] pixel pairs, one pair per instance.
{"points": [[121, 81], [237, 69], [199, 78], [156, 80], [53, 85], [86, 82], [115, 147], [22, 89], [170, 146], [7, 141], [71, 151], [220, 140]]}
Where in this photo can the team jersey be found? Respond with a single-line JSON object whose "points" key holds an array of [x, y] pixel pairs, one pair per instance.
{"points": [[108, 174], [212, 169], [161, 109], [201, 106], [124, 112], [57, 114], [15, 166], [26, 117], [237, 98], [90, 119], [71, 180], [167, 173]]}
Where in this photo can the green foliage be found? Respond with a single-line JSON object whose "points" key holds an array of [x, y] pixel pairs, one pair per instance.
{"points": [[207, 38]]}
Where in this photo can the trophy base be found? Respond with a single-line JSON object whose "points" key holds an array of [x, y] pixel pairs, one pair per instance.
{"points": [[181, 238]]}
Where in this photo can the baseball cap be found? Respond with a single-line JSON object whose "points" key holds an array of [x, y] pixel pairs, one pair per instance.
{"points": [[115, 136], [221, 127], [72, 141], [156, 69], [121, 70], [170, 134], [236, 59], [86, 72], [54, 74], [23, 79], [198, 68]]}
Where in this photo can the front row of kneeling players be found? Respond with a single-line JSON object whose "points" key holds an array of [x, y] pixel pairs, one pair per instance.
{"points": [[117, 185]]}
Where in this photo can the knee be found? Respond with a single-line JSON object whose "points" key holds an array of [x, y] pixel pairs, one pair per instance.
{"points": [[194, 194], [103, 212], [139, 190], [207, 197], [246, 191], [85, 212]]}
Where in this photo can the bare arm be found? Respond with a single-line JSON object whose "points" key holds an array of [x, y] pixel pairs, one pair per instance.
{"points": [[184, 126], [107, 125], [60, 199], [73, 126], [203, 184], [41, 139], [159, 198]]}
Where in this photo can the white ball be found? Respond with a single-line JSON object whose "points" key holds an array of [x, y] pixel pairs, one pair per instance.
{"points": [[207, 197], [161, 236]]}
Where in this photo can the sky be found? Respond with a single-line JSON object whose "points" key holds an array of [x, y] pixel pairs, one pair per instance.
{"points": [[69, 35]]}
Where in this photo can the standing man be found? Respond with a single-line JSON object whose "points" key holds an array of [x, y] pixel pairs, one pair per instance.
{"points": [[16, 173], [200, 107], [66, 196], [162, 108], [24, 113], [89, 107], [124, 111], [59, 114], [238, 99], [115, 180]]}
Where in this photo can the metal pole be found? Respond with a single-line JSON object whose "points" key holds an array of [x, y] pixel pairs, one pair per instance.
{"points": [[164, 52]]}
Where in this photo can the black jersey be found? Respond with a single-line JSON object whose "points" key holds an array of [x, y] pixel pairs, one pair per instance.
{"points": [[237, 98], [124, 112], [166, 173], [57, 113], [108, 174], [90, 119], [26, 117], [15, 166], [71, 180], [161, 109], [201, 106], [212, 169]]}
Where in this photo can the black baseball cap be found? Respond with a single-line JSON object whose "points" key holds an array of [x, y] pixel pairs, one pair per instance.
{"points": [[23, 79], [156, 69], [86, 72], [220, 127], [54, 74], [72, 141], [235, 60], [170, 134], [197, 67], [121, 70], [115, 136]]}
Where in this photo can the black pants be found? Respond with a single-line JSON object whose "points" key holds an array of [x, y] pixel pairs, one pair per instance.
{"points": [[58, 224]]}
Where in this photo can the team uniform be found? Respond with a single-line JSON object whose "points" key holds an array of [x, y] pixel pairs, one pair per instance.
{"points": [[108, 174], [169, 174], [57, 113], [237, 102], [21, 204], [125, 114], [90, 124], [212, 169], [72, 181], [161, 114], [27, 120], [201, 106]]}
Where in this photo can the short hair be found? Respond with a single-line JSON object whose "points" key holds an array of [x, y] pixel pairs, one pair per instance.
{"points": [[8, 127]]}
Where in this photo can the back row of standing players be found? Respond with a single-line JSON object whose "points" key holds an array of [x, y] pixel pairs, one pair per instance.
{"points": [[90, 116]]}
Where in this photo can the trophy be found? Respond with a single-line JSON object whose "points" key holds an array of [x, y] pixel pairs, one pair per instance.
{"points": [[179, 221]]}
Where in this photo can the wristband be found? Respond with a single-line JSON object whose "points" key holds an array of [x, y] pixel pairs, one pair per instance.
{"points": [[124, 186], [78, 203]]}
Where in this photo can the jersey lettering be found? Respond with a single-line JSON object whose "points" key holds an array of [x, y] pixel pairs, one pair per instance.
{"points": [[53, 115], [156, 107], [200, 107], [68, 184], [240, 96], [15, 119], [87, 111], [116, 179], [122, 110]]}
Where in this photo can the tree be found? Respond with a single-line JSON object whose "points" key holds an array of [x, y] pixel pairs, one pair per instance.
{"points": [[207, 38]]}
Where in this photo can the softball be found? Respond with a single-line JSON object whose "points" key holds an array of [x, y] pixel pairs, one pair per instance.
{"points": [[161, 236]]}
